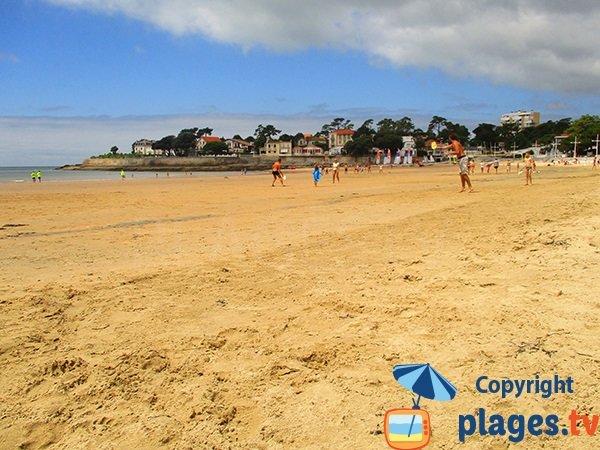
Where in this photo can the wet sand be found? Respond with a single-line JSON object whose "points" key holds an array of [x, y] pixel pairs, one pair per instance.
{"points": [[223, 313]]}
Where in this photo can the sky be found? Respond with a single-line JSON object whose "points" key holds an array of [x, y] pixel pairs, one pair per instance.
{"points": [[79, 76]]}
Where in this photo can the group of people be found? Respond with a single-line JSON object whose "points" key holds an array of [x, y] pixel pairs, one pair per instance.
{"points": [[36, 175], [466, 167]]}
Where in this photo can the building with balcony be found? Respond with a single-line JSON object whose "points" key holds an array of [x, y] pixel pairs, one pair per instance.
{"points": [[144, 147], [523, 119], [338, 138], [238, 146], [277, 148]]}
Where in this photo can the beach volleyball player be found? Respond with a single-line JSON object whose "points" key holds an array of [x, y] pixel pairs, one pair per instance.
{"points": [[459, 151]]}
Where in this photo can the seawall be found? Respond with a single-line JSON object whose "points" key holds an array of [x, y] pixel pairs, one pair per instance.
{"points": [[208, 163]]}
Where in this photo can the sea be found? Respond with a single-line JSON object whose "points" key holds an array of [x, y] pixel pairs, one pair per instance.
{"points": [[51, 174]]}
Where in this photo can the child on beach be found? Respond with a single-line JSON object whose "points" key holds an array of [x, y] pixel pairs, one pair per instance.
{"points": [[529, 168], [316, 174], [122, 175]]}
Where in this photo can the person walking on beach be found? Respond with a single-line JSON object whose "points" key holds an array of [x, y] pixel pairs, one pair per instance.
{"points": [[33, 176], [277, 173], [38, 174], [122, 175], [459, 151], [316, 174], [335, 167]]}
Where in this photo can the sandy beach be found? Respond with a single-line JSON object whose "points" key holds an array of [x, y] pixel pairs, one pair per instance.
{"points": [[223, 313]]}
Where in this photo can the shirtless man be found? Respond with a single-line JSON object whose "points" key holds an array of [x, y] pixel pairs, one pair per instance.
{"points": [[277, 173], [459, 152]]}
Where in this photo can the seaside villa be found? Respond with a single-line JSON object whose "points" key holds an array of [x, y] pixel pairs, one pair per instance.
{"points": [[307, 150], [277, 148], [238, 146], [144, 147], [338, 138], [201, 143]]}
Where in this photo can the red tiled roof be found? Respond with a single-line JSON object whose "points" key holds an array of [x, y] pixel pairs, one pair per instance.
{"points": [[344, 132], [208, 139]]}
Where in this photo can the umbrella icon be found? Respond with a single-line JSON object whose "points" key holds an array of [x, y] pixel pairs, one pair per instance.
{"points": [[425, 381]]}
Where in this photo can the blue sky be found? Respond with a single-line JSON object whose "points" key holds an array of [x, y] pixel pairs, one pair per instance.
{"points": [[78, 76]]}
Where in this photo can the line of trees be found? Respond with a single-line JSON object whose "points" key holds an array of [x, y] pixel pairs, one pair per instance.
{"points": [[388, 134]]}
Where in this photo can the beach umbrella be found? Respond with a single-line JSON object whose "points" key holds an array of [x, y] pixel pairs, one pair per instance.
{"points": [[425, 381]]}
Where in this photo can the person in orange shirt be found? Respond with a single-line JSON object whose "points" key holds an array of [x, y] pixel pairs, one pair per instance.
{"points": [[459, 151], [277, 173]]}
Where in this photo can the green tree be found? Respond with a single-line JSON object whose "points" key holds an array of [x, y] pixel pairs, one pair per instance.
{"points": [[390, 133], [114, 149], [366, 129], [339, 123], [166, 144], [508, 133], [485, 135], [203, 132], [215, 148], [359, 146], [460, 131], [264, 133], [185, 142], [586, 128], [436, 125]]}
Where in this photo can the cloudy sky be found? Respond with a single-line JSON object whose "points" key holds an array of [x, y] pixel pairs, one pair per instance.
{"points": [[78, 76]]}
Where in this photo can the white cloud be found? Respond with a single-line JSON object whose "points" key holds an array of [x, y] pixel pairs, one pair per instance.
{"points": [[541, 44]]}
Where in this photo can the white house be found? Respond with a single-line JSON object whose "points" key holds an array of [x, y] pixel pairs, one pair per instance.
{"points": [[144, 147], [237, 145]]}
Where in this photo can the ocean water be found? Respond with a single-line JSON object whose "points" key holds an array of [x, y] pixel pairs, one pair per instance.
{"points": [[50, 174]]}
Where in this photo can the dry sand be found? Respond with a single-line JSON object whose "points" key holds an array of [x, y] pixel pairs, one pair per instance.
{"points": [[223, 313]]}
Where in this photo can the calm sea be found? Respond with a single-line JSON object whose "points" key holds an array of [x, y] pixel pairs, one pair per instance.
{"points": [[50, 174]]}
